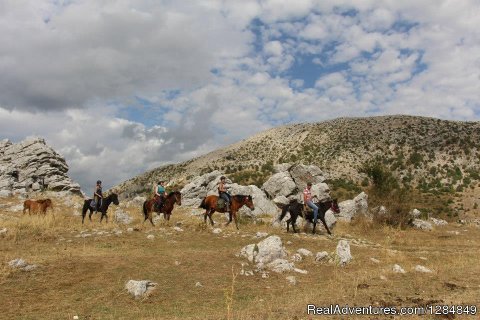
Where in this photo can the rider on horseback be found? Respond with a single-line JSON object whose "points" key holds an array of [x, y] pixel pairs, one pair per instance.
{"points": [[222, 192], [159, 194], [98, 196], [307, 200]]}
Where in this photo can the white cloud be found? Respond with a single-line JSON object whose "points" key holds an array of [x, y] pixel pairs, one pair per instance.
{"points": [[91, 61]]}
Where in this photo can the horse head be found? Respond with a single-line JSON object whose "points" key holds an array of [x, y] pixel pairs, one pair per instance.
{"points": [[248, 201], [178, 197], [114, 198], [334, 206], [48, 203]]}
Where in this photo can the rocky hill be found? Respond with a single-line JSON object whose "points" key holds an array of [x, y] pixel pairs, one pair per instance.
{"points": [[431, 154], [31, 165]]}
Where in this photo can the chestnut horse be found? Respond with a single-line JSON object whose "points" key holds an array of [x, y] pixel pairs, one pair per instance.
{"points": [[210, 205], [167, 207], [40, 205], [295, 208], [103, 209]]}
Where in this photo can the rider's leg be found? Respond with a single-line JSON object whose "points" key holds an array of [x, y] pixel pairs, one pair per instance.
{"points": [[225, 197], [315, 210]]}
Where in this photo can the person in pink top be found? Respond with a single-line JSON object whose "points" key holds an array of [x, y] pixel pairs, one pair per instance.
{"points": [[307, 200]]}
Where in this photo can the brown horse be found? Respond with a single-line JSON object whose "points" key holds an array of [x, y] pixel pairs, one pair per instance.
{"points": [[210, 205], [167, 207], [36, 206]]}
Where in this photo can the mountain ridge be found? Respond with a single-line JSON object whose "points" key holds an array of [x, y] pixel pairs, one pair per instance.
{"points": [[432, 154]]}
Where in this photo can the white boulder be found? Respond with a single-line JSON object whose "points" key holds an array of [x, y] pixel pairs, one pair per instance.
{"points": [[343, 252], [140, 288]]}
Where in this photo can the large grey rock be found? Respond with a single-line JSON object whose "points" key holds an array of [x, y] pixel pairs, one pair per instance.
{"points": [[265, 251], [207, 184], [302, 174], [422, 224], [263, 205], [415, 213], [321, 190], [282, 167], [281, 201], [140, 288], [5, 193], [280, 266], [351, 208], [122, 217], [279, 184], [343, 252], [197, 189], [438, 222], [31, 165]]}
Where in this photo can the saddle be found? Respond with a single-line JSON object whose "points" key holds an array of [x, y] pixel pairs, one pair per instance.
{"points": [[221, 203]]}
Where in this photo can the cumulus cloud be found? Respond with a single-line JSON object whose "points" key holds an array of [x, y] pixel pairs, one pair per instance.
{"points": [[62, 56], [137, 84]]}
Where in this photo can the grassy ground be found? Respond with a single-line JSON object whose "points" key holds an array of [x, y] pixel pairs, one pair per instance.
{"points": [[85, 276]]}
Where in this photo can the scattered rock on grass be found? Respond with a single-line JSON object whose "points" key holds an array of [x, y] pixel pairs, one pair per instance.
{"points": [[438, 222], [22, 264], [140, 288], [321, 256], [423, 269], [280, 266], [421, 224], [292, 280], [398, 269], [343, 252], [304, 252]]}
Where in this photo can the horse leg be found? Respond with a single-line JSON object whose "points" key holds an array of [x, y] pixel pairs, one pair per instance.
{"points": [[210, 217], [288, 224], [229, 218], [235, 218], [294, 222], [90, 215], [325, 224], [150, 217]]}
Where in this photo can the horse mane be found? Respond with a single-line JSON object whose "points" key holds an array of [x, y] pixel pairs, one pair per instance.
{"points": [[172, 193], [238, 197]]}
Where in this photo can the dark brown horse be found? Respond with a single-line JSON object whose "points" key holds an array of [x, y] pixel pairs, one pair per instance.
{"points": [[210, 205], [36, 206], [103, 208], [167, 207], [296, 209]]}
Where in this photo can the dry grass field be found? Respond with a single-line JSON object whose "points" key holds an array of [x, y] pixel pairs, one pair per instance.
{"points": [[82, 270]]}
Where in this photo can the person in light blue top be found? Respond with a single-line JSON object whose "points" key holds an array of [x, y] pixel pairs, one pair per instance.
{"points": [[159, 194]]}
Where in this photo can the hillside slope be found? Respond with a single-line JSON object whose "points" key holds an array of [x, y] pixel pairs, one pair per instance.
{"points": [[431, 154]]}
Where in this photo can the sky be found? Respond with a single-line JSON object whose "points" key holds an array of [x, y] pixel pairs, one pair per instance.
{"points": [[121, 87]]}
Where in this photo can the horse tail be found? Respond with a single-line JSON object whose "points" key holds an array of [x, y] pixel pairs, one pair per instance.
{"points": [[145, 211], [85, 208], [203, 205], [284, 212]]}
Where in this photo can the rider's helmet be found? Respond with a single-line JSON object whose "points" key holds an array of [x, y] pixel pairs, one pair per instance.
{"points": [[222, 178], [99, 182]]}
